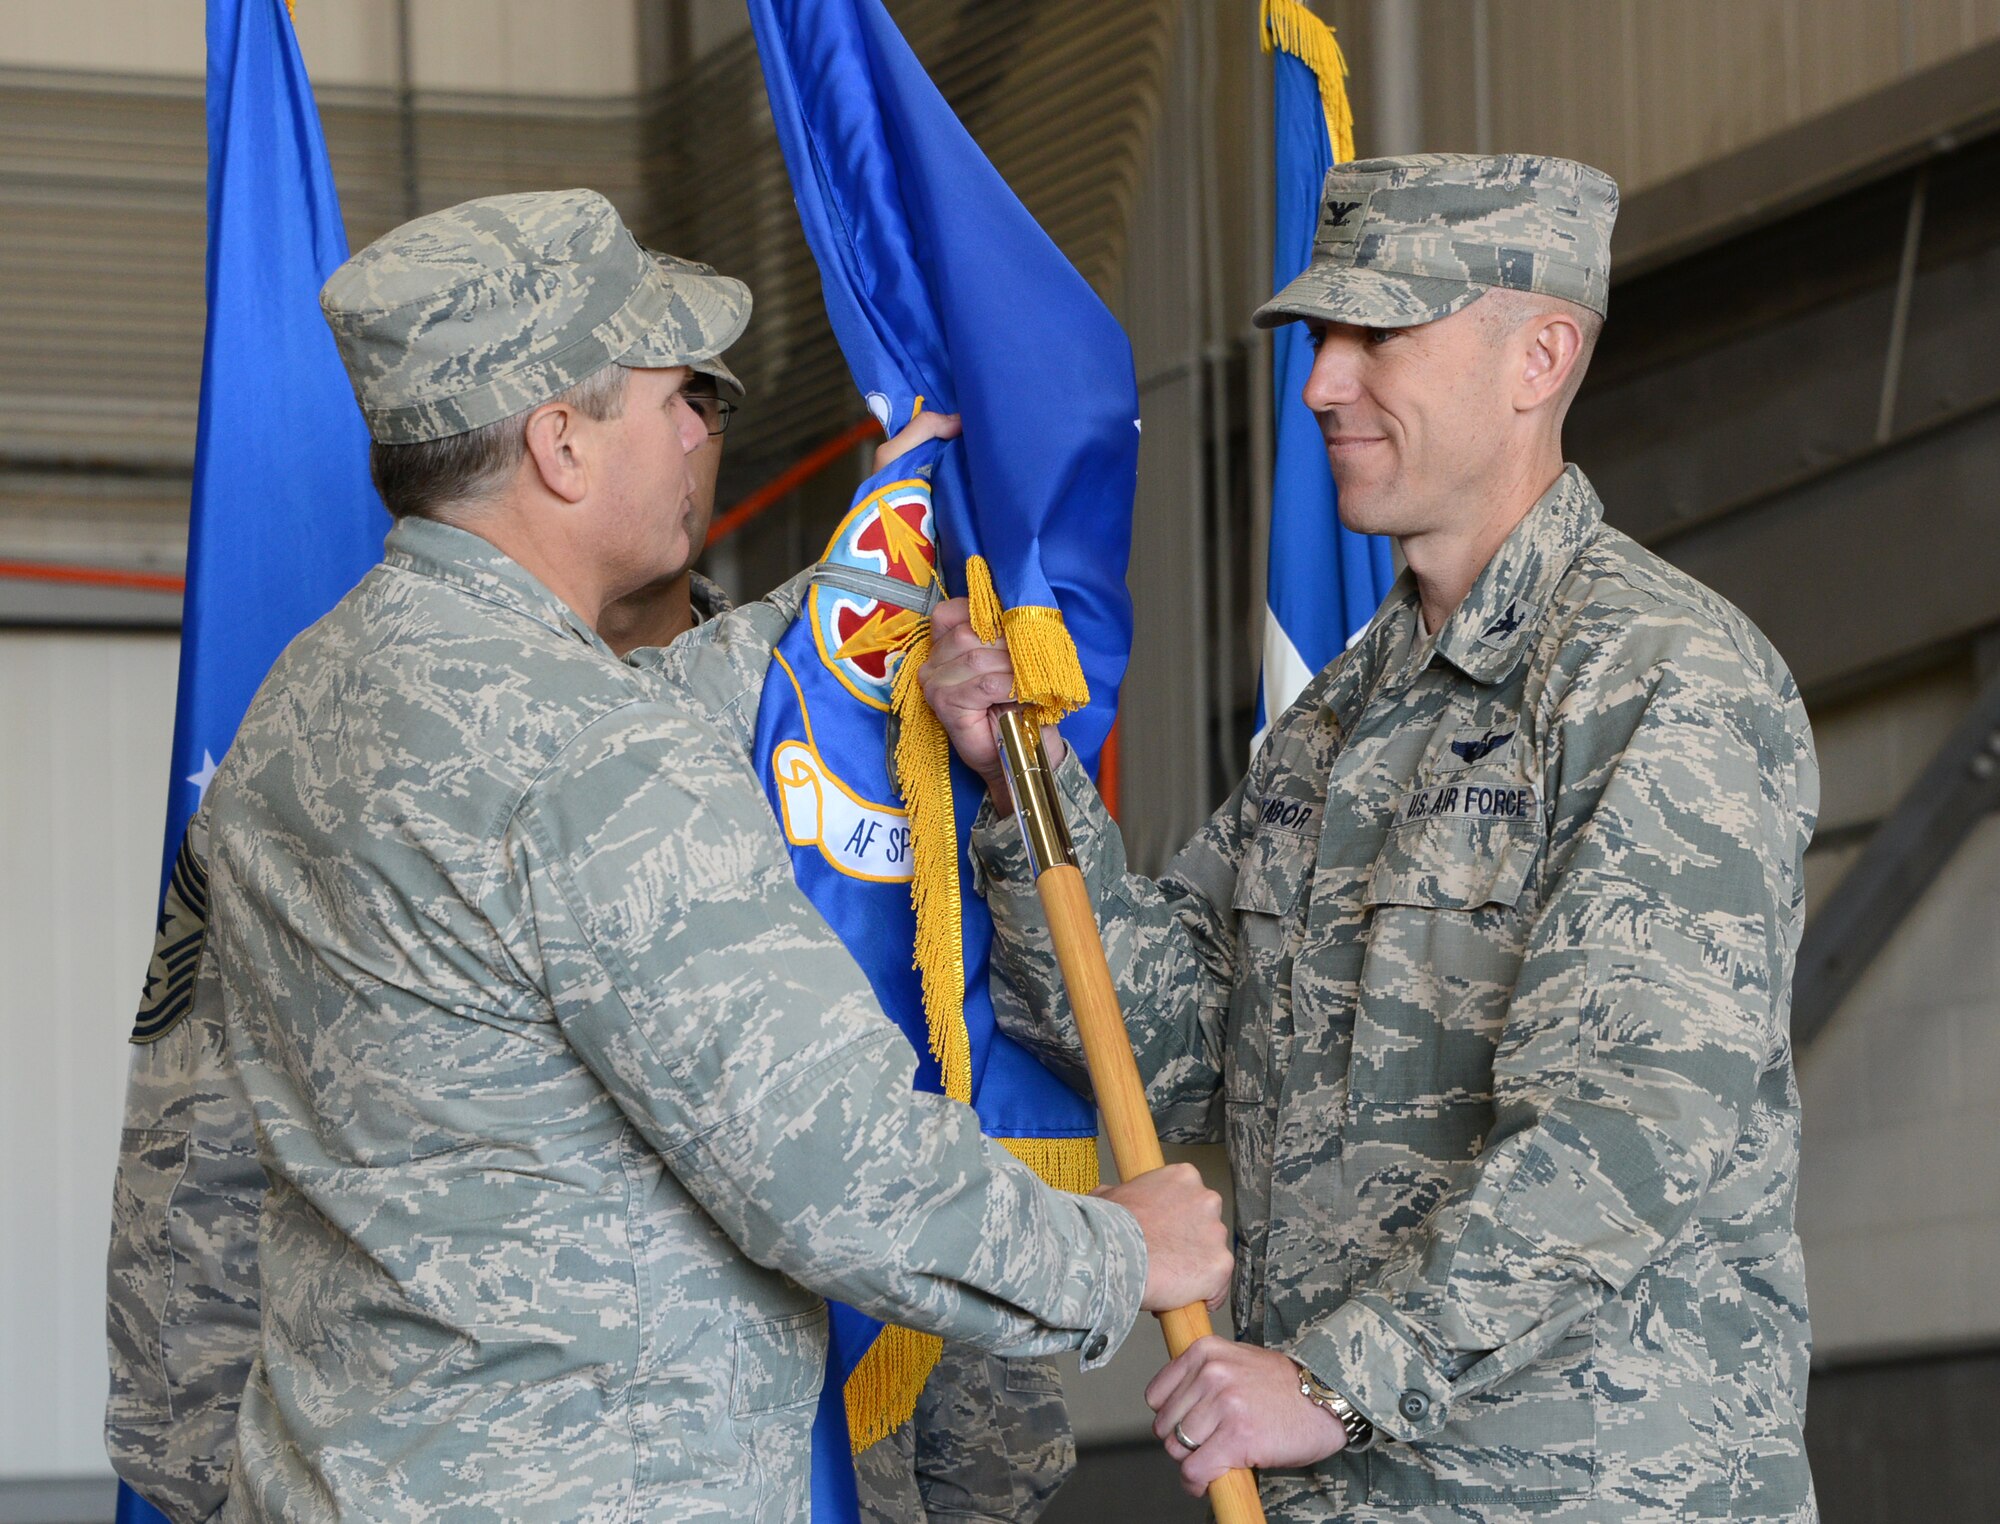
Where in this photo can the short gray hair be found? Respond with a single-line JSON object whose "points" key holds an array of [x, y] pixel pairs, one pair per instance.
{"points": [[1503, 309], [417, 480]]}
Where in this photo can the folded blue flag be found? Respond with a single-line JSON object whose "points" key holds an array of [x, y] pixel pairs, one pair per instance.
{"points": [[1324, 581], [945, 295], [284, 520]]}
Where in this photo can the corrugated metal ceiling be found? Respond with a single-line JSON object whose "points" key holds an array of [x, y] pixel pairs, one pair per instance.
{"points": [[101, 213]]}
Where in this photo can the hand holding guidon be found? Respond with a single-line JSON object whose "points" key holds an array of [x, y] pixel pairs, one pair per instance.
{"points": [[1207, 1400]]}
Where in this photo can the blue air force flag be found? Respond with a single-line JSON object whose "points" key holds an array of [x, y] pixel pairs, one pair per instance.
{"points": [[283, 520]]}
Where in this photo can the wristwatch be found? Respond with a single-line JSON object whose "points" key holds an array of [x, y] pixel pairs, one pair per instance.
{"points": [[1360, 1432]]}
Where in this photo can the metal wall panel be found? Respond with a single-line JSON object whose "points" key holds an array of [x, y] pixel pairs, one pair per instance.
{"points": [[101, 197], [1165, 783], [1705, 76], [85, 722], [101, 252], [1735, 422], [457, 44], [1844, 48], [511, 45], [1198, 264], [1648, 89], [1872, 566]]}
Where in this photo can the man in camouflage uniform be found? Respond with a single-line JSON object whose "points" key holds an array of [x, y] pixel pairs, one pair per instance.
{"points": [[1483, 973], [566, 1104], [990, 1437]]}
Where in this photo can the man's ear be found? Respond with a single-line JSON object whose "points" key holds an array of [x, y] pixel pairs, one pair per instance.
{"points": [[1554, 348], [556, 452]]}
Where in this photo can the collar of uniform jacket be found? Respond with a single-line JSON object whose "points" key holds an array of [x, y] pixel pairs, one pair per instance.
{"points": [[707, 598], [452, 555], [1485, 636]]}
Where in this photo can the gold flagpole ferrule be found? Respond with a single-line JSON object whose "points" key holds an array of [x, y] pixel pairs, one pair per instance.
{"points": [[1037, 806]]}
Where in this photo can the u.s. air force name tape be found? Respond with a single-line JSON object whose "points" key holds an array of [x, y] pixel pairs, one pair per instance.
{"points": [[1469, 801], [1295, 815]]}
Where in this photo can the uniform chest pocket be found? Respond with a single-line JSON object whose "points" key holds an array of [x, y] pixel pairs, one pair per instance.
{"points": [[1270, 893], [1462, 845], [1275, 869], [1270, 888], [1448, 920]]}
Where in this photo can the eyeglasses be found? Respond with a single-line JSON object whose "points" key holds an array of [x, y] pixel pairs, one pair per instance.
{"points": [[713, 411]]}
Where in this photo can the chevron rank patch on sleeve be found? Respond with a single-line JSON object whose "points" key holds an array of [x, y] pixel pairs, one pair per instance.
{"points": [[177, 942]]}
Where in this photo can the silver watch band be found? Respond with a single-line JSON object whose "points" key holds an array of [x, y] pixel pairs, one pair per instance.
{"points": [[1361, 1434]]}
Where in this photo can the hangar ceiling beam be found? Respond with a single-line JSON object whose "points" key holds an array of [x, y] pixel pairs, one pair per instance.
{"points": [[1958, 789]]}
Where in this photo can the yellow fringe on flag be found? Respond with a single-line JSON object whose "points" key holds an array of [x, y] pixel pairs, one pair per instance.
{"points": [[986, 611], [1048, 676], [1289, 25], [882, 1392], [1068, 1164], [923, 777]]}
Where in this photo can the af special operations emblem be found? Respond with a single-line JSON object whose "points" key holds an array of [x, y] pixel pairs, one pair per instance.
{"points": [[861, 639], [878, 574]]}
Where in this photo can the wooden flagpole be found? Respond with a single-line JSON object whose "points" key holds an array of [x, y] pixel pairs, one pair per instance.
{"points": [[1107, 1051]]}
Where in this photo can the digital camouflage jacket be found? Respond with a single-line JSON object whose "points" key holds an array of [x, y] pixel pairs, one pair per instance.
{"points": [[555, 1104]]}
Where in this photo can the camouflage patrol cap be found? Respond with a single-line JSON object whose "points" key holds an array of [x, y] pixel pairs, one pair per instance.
{"points": [[674, 265], [1410, 240], [488, 308]]}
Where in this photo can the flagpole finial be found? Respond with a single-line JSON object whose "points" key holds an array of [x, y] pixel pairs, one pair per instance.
{"points": [[1290, 26]]}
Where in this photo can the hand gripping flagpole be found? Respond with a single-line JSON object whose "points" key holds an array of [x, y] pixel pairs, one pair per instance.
{"points": [[1107, 1051]]}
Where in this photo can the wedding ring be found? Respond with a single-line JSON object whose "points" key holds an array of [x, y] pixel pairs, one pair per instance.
{"points": [[1186, 1443]]}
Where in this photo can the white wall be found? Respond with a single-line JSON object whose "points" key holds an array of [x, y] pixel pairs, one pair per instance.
{"points": [[85, 723], [534, 47]]}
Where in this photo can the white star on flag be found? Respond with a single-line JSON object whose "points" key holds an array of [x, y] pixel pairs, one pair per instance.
{"points": [[202, 779]]}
